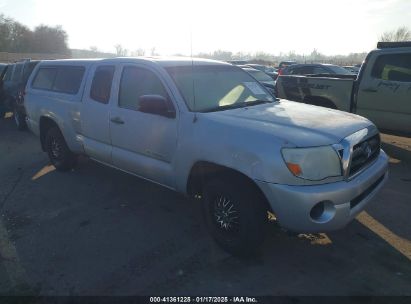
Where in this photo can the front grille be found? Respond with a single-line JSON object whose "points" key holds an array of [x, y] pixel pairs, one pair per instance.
{"points": [[364, 153]]}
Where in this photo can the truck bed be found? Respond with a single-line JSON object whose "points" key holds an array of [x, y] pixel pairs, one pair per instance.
{"points": [[322, 90]]}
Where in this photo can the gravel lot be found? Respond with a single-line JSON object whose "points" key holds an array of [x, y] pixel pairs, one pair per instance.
{"points": [[98, 231]]}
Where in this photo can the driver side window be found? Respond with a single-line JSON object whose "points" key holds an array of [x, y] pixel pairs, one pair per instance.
{"points": [[394, 67], [136, 82]]}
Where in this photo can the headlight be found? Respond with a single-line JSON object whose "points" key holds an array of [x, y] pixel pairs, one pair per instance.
{"points": [[312, 163]]}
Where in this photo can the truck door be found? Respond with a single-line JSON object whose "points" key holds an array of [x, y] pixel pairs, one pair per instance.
{"points": [[384, 95], [95, 112], [143, 143]]}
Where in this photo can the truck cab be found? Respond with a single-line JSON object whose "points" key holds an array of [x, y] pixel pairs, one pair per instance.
{"points": [[384, 87], [381, 92], [211, 131]]}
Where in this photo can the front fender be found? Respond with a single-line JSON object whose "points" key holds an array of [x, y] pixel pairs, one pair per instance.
{"points": [[254, 154]]}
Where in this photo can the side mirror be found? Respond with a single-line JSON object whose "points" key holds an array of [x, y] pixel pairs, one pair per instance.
{"points": [[155, 104]]}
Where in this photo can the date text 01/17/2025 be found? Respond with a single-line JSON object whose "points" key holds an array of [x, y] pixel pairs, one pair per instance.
{"points": [[203, 300]]}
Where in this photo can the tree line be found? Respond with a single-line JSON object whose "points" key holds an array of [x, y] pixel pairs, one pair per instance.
{"points": [[400, 34], [15, 37], [267, 58]]}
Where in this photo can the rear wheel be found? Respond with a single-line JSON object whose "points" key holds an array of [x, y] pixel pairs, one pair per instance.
{"points": [[59, 153], [235, 216]]}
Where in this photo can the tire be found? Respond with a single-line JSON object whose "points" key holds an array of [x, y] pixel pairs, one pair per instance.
{"points": [[19, 119], [59, 153], [235, 216]]}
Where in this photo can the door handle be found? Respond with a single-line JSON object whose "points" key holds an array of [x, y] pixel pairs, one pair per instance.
{"points": [[370, 90], [117, 120]]}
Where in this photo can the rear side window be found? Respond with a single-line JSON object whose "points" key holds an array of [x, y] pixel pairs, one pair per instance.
{"points": [[320, 70], [45, 78], [294, 71], [68, 80], [306, 70], [101, 85], [63, 79], [395, 67]]}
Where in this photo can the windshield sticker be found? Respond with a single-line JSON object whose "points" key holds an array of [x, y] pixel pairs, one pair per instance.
{"points": [[254, 87]]}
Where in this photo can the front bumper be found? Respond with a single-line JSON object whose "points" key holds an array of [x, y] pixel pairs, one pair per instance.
{"points": [[292, 205]]}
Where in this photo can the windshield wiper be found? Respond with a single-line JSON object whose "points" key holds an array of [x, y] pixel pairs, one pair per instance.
{"points": [[256, 102], [237, 105]]}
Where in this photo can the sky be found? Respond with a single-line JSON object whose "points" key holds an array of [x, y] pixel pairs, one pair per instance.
{"points": [[184, 27]]}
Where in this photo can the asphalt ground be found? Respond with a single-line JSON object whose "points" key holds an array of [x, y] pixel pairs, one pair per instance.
{"points": [[98, 231]]}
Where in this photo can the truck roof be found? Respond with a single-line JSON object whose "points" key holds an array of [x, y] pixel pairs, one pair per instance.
{"points": [[162, 61]]}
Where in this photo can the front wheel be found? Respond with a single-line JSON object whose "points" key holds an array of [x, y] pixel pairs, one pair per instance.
{"points": [[235, 215], [59, 153]]}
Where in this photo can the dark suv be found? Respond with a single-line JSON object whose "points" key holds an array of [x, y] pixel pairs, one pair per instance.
{"points": [[3, 70], [283, 65], [13, 83], [315, 68]]}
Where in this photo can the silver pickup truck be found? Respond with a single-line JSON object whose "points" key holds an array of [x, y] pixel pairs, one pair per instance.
{"points": [[211, 131], [382, 91]]}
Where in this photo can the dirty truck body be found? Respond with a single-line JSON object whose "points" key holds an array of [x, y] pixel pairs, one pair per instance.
{"points": [[209, 130]]}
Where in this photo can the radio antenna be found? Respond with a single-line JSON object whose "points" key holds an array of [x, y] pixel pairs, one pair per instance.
{"points": [[192, 72]]}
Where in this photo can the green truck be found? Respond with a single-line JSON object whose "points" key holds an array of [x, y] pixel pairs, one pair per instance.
{"points": [[381, 92]]}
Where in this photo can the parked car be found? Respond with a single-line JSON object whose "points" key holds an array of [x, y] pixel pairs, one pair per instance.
{"points": [[265, 69], [3, 70], [261, 77], [237, 62], [3, 66], [315, 68], [352, 68], [211, 131], [284, 64], [382, 91], [14, 82]]}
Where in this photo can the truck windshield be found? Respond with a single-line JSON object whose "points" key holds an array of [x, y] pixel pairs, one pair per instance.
{"points": [[217, 87]]}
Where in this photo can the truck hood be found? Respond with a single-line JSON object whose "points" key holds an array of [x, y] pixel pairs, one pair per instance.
{"points": [[295, 123]]}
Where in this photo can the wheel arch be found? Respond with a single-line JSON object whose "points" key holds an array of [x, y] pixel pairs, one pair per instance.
{"points": [[203, 171], [46, 123]]}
